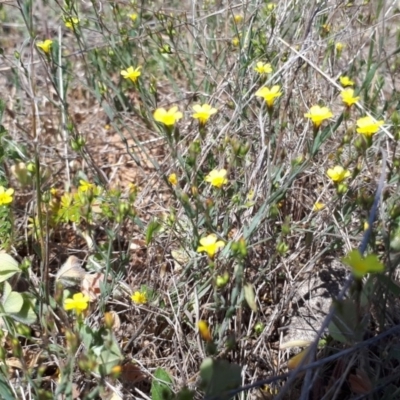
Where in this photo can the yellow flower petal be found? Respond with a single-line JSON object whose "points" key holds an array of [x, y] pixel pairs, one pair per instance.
{"points": [[269, 95], [338, 173], [139, 297], [368, 126], [78, 303], [131, 73], [346, 81], [210, 245], [45, 46], [217, 178], [203, 112], [348, 97], [167, 117], [318, 114], [173, 180], [6, 195], [204, 331]]}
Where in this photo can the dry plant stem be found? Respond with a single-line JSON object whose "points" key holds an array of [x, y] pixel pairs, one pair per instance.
{"points": [[63, 113], [138, 332], [44, 264]]}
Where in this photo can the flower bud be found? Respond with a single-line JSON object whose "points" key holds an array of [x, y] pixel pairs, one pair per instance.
{"points": [[24, 330], [72, 341], [116, 371], [244, 149], [108, 320], [341, 188], [31, 167], [282, 248], [184, 198], [259, 328], [222, 280], [78, 143], [16, 347], [46, 197], [346, 139], [209, 203], [274, 211], [123, 208], [195, 191]]}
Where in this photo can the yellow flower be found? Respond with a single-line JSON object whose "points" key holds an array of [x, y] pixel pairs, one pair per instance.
{"points": [[367, 126], [45, 46], [318, 114], [238, 18], [203, 112], [217, 177], [132, 187], [326, 28], [236, 41], [78, 303], [348, 97], [6, 195], [167, 117], [270, 391], [210, 245], [262, 68], [269, 95], [361, 266], [133, 16], [132, 74], [271, 6], [318, 206], [339, 47], [338, 173], [70, 22], [345, 81], [139, 297], [173, 180], [85, 186], [204, 331]]}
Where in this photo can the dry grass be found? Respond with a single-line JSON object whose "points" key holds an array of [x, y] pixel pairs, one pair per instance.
{"points": [[277, 172]]}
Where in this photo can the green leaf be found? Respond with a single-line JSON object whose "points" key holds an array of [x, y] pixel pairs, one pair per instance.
{"points": [[250, 296], [361, 266], [219, 376], [153, 227], [87, 335], [109, 357], [27, 314], [8, 267], [185, 394], [6, 392], [18, 306], [102, 346], [160, 386], [12, 302], [345, 326]]}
